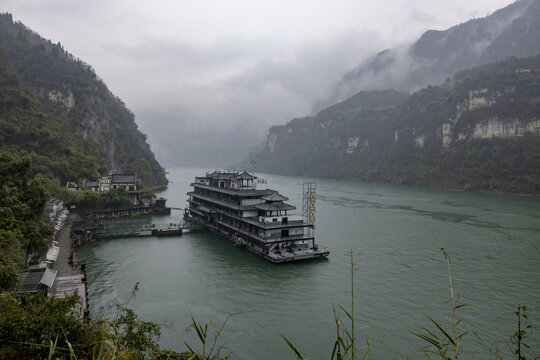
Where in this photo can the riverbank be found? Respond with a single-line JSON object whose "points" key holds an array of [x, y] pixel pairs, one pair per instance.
{"points": [[70, 277]]}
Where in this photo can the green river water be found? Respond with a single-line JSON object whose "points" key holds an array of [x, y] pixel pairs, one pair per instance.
{"points": [[396, 234]]}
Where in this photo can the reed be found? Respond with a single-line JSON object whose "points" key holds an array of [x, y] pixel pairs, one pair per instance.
{"points": [[517, 340], [439, 341], [344, 347]]}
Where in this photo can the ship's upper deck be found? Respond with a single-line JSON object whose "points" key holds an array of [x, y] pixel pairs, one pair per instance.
{"points": [[235, 192], [235, 182]]}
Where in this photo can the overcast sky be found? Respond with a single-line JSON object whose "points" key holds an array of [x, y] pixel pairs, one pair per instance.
{"points": [[220, 64]]}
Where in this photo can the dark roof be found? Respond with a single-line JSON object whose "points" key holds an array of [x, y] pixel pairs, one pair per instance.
{"points": [[123, 179], [275, 196], [217, 175], [225, 176], [211, 175], [221, 175], [30, 279], [275, 206], [245, 176]]}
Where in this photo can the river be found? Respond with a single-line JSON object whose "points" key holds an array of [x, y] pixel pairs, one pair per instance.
{"points": [[396, 234]]}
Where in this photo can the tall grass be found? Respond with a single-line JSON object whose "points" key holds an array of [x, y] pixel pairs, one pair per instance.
{"points": [[445, 344], [517, 340], [207, 339], [344, 347]]}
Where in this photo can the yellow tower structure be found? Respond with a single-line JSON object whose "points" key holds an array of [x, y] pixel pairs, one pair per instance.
{"points": [[308, 205]]}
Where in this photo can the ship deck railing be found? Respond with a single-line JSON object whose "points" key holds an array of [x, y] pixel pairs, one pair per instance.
{"points": [[267, 240], [222, 202], [234, 192], [196, 211], [282, 255], [253, 220]]}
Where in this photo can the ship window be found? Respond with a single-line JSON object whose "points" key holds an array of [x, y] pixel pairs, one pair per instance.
{"points": [[274, 219]]}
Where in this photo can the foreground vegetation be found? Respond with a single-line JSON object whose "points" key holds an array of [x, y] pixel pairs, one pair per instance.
{"points": [[37, 327]]}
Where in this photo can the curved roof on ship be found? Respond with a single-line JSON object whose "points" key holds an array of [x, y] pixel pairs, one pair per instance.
{"points": [[274, 206], [275, 196], [231, 175], [245, 176], [220, 176]]}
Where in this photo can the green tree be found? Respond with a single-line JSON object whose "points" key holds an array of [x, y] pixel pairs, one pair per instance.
{"points": [[22, 230]]}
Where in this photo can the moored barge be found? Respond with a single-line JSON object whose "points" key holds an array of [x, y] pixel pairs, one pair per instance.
{"points": [[240, 207]]}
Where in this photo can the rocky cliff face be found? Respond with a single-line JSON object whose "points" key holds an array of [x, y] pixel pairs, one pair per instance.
{"points": [[457, 127], [93, 121], [76, 107], [480, 131]]}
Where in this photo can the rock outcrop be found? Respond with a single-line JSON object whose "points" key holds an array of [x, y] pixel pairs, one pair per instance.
{"points": [[479, 131], [60, 113]]}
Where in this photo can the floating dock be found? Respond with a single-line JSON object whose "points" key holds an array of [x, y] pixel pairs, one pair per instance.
{"points": [[116, 229]]}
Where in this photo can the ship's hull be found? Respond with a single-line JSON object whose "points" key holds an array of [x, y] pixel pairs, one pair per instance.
{"points": [[276, 258]]}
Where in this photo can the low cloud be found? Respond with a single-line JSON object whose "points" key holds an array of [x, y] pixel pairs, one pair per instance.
{"points": [[268, 85], [225, 72]]}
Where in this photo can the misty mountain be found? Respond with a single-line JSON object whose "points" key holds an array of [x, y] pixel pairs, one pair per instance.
{"points": [[478, 131], [178, 141], [438, 55], [55, 110]]}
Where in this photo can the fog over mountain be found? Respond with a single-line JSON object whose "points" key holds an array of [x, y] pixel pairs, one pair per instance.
{"points": [[438, 55], [206, 80]]}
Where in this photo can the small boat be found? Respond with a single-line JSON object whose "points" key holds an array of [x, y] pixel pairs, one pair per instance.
{"points": [[167, 232]]}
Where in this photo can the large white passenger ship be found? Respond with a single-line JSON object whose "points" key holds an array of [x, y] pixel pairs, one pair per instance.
{"points": [[240, 207]]}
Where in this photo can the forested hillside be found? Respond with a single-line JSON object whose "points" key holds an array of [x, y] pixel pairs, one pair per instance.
{"points": [[22, 229], [479, 131], [54, 109]]}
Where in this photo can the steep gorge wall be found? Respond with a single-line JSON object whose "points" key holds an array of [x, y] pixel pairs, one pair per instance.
{"points": [[74, 104], [479, 131], [459, 127]]}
